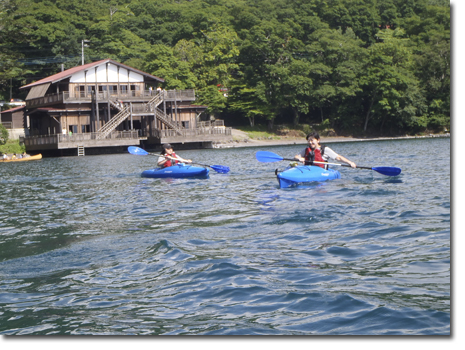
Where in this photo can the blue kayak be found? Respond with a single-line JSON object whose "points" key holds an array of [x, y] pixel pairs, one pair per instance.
{"points": [[305, 173], [179, 170]]}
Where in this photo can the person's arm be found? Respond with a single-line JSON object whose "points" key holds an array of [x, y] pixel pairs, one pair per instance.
{"points": [[331, 154], [345, 160], [162, 160], [182, 160], [300, 157]]}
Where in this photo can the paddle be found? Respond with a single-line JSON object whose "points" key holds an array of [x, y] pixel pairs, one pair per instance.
{"points": [[269, 157], [139, 151]]}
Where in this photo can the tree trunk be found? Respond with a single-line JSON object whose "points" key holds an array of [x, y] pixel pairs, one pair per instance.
{"points": [[270, 124], [296, 117], [369, 112], [321, 110], [382, 124], [251, 121]]}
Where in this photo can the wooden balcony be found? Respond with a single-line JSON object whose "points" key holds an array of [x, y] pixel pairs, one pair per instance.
{"points": [[61, 141], [211, 132], [132, 96], [206, 132]]}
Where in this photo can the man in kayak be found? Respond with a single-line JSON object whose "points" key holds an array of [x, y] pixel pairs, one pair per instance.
{"points": [[319, 153], [165, 160]]}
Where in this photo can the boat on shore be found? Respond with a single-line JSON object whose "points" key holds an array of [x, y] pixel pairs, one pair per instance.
{"points": [[23, 159]]}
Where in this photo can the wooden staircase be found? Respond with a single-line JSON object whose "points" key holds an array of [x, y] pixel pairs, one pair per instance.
{"points": [[125, 112], [106, 130]]}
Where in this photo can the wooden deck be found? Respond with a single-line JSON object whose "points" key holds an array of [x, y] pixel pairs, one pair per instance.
{"points": [[127, 138], [132, 96], [60, 141]]}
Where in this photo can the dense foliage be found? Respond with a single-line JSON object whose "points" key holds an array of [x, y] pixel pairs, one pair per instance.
{"points": [[360, 65], [3, 135]]}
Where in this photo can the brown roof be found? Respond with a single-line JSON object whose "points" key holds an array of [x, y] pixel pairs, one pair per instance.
{"points": [[12, 109], [69, 72], [56, 110]]}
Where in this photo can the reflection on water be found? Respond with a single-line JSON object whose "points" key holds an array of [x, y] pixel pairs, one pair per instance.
{"points": [[87, 246]]}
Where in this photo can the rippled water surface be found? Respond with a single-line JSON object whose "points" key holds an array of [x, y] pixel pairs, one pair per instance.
{"points": [[87, 246]]}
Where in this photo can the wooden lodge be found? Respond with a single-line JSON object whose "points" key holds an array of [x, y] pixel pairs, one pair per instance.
{"points": [[106, 106]]}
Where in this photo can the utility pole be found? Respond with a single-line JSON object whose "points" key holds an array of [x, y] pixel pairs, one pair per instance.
{"points": [[83, 46]]}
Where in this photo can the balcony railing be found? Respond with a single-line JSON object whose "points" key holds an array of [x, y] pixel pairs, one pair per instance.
{"points": [[125, 135], [61, 138], [86, 96], [189, 133]]}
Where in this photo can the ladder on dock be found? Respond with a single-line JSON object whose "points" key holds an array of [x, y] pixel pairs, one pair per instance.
{"points": [[80, 150]]}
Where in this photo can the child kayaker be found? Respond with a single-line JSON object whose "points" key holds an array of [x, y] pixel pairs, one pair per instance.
{"points": [[166, 154], [319, 153]]}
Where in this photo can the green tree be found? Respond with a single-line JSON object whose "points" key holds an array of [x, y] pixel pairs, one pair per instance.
{"points": [[246, 101], [162, 61], [392, 90], [336, 68]]}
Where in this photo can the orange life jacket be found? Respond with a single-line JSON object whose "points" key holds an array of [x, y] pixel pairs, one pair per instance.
{"points": [[317, 155], [170, 162]]}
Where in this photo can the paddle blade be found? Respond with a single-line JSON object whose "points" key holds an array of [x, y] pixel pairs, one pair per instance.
{"points": [[220, 168], [387, 170], [267, 157], [137, 151]]}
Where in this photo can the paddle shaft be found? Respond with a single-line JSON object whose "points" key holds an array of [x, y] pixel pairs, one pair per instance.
{"points": [[139, 151], [217, 168], [357, 167], [188, 163], [266, 157], [346, 165]]}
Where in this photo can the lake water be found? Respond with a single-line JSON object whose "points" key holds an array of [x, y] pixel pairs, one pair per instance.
{"points": [[89, 247]]}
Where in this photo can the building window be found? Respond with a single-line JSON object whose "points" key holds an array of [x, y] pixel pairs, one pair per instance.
{"points": [[113, 89], [85, 128], [73, 129], [80, 91], [102, 90], [135, 90]]}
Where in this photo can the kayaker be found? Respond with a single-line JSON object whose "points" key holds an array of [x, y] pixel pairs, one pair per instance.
{"points": [[166, 154], [319, 153]]}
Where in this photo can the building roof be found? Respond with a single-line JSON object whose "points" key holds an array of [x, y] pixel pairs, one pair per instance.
{"points": [[69, 72], [52, 110], [11, 110]]}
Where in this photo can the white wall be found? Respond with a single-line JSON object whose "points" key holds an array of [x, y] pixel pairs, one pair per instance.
{"points": [[107, 74]]}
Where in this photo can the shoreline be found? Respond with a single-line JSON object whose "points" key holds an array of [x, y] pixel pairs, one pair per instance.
{"points": [[242, 140]]}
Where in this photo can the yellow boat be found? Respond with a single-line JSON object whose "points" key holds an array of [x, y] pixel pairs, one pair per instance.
{"points": [[35, 157]]}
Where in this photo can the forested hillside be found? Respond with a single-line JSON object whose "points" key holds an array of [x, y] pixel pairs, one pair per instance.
{"points": [[363, 66]]}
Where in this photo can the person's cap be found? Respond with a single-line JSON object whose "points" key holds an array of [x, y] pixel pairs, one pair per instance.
{"points": [[167, 146]]}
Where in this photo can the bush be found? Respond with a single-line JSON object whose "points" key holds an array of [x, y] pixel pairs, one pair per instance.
{"points": [[3, 135], [439, 123], [12, 146]]}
